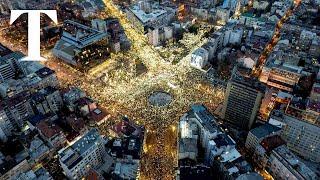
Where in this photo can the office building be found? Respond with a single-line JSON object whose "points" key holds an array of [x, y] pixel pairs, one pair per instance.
{"points": [[243, 99]]}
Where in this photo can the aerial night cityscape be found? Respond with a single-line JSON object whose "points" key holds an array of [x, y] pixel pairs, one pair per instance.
{"points": [[160, 90]]}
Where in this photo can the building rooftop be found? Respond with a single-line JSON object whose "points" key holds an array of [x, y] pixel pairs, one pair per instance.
{"points": [[145, 17], [314, 105], [79, 35], [76, 123], [86, 141], [292, 163], [264, 130], [15, 55], [44, 72], [43, 93], [48, 130], [272, 142], [127, 128], [73, 95], [250, 176], [204, 117], [224, 140], [196, 172], [126, 170], [242, 75], [230, 156], [37, 148], [200, 52], [188, 145], [73, 154]]}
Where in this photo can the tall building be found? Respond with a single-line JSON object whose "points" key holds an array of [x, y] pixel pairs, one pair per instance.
{"points": [[77, 159], [243, 99]]}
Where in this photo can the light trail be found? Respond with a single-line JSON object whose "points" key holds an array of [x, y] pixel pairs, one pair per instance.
{"points": [[275, 38]]}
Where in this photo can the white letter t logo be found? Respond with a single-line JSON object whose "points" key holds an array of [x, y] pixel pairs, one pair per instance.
{"points": [[34, 30]]}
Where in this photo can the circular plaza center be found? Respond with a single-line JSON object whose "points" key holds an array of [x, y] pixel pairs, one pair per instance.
{"points": [[160, 99]]}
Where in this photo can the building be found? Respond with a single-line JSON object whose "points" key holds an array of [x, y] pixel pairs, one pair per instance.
{"points": [[233, 36], [47, 77], [9, 170], [37, 174], [17, 109], [10, 67], [263, 150], [250, 176], [196, 126], [285, 165], [256, 135], [206, 123], [47, 100], [4, 50], [81, 45], [126, 169], [78, 158], [85, 106], [12, 88], [284, 77], [243, 99], [302, 137], [6, 126], [199, 58], [249, 19], [222, 15], [99, 25], [72, 96], [153, 36], [51, 133], [38, 150], [200, 133], [145, 15], [188, 148]]}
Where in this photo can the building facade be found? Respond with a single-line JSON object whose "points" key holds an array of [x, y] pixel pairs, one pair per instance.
{"points": [[77, 159]]}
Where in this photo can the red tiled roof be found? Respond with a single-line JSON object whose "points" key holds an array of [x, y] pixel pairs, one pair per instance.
{"points": [[48, 130]]}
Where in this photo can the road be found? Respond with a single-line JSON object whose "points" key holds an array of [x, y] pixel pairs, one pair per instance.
{"points": [[275, 38]]}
